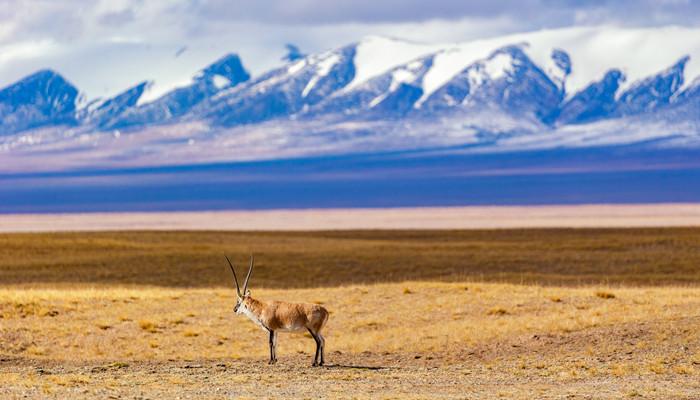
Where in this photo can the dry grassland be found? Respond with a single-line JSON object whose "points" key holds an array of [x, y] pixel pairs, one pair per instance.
{"points": [[649, 256], [422, 339], [69, 328]]}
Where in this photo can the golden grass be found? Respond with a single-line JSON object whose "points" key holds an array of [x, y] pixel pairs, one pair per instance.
{"points": [[147, 326], [490, 333], [452, 314], [157, 323], [310, 259]]}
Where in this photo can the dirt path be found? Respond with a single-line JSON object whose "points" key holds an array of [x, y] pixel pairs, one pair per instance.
{"points": [[622, 215]]}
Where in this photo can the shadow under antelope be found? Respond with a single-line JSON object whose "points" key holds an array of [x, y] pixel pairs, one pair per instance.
{"points": [[279, 316]]}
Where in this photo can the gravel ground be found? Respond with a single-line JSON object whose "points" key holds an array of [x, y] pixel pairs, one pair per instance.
{"points": [[496, 371]]}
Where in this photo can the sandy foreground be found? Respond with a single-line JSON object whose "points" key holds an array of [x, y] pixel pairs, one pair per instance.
{"points": [[473, 217]]}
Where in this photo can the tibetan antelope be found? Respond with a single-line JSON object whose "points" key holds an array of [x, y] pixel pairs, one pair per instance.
{"points": [[278, 316]]}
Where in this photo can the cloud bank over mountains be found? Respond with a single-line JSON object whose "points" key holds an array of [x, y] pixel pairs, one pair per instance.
{"points": [[131, 40]]}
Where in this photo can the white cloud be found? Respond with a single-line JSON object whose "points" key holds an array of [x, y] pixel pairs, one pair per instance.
{"points": [[106, 46], [26, 50]]}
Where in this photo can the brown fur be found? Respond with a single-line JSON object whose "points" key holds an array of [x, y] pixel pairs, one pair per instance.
{"points": [[276, 316], [279, 315]]}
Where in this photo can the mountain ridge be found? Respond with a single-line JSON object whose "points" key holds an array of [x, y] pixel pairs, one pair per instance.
{"points": [[384, 93]]}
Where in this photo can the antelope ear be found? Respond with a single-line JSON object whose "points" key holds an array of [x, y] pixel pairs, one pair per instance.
{"points": [[247, 292]]}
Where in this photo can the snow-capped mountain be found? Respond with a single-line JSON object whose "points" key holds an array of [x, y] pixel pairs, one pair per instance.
{"points": [[43, 98], [507, 80], [129, 108], [596, 101], [282, 92], [104, 114], [379, 94]]}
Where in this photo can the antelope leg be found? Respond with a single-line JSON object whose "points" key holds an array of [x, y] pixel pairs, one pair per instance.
{"points": [[318, 348], [322, 340], [273, 358]]}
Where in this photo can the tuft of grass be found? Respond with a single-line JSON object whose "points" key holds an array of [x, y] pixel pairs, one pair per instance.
{"points": [[407, 291], [497, 311], [683, 369], [189, 333], [148, 326], [604, 295], [657, 367], [27, 309], [621, 369], [48, 313], [70, 380], [103, 326], [36, 350]]}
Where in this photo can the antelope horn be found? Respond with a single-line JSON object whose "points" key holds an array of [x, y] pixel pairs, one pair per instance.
{"points": [[235, 278], [250, 271]]}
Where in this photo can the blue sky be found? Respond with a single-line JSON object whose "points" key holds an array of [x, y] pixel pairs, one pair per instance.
{"points": [[106, 46]]}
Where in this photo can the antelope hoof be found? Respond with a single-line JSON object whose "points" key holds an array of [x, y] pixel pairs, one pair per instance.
{"points": [[314, 364], [321, 364], [272, 362]]}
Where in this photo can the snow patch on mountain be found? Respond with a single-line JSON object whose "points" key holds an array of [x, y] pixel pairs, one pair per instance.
{"points": [[220, 82], [157, 89], [377, 54], [400, 76], [577, 56], [323, 68], [594, 51], [296, 67], [493, 68]]}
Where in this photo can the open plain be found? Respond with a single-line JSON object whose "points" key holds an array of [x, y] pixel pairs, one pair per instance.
{"points": [[326, 219], [520, 313]]}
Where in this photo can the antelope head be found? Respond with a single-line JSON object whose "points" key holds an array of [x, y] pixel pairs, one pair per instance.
{"points": [[243, 297]]}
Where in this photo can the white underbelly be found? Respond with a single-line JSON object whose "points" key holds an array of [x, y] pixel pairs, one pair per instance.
{"points": [[293, 328]]}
